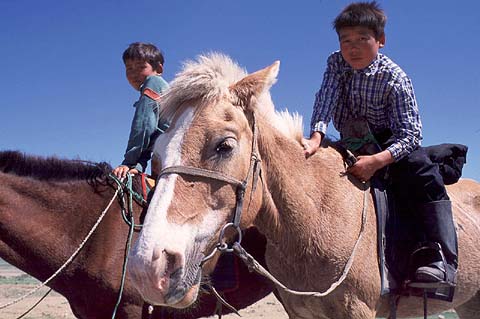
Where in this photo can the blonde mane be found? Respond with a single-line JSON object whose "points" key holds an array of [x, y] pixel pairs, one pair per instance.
{"points": [[208, 78]]}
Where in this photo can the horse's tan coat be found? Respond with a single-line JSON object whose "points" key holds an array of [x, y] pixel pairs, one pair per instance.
{"points": [[309, 211]]}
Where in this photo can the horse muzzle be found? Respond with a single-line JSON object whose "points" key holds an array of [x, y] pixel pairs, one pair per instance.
{"points": [[166, 280]]}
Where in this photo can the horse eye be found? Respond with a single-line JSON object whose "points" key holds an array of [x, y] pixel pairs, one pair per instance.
{"points": [[225, 147]]}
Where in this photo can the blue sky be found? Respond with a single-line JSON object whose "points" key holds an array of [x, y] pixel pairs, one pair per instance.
{"points": [[64, 90]]}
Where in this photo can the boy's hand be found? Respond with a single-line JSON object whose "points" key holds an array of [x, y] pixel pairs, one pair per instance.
{"points": [[366, 166], [311, 145], [122, 170]]}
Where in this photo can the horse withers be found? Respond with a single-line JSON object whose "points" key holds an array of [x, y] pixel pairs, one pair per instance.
{"points": [[230, 159]]}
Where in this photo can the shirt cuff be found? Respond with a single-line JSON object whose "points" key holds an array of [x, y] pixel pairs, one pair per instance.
{"points": [[397, 151], [139, 168], [319, 127]]}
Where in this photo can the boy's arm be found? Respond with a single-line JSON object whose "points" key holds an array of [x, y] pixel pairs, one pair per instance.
{"points": [[144, 123], [406, 129], [327, 96], [326, 99], [405, 119]]}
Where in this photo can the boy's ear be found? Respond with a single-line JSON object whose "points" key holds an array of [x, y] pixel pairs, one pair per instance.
{"points": [[159, 69], [382, 40]]}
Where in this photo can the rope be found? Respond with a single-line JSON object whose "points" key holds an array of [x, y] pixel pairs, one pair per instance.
{"points": [[255, 265], [127, 249], [128, 186], [36, 304], [69, 260], [221, 301]]}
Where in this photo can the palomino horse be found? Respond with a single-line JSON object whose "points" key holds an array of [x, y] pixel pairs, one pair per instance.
{"points": [[309, 211], [48, 206]]}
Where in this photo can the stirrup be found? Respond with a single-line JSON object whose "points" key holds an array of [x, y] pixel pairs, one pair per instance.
{"points": [[440, 265]]}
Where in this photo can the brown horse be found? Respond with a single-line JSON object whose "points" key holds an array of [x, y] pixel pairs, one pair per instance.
{"points": [[47, 207], [225, 127]]}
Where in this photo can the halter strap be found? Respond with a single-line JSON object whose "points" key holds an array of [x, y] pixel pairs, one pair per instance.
{"points": [[241, 186]]}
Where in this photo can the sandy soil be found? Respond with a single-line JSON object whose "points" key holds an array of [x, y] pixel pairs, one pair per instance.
{"points": [[55, 306]]}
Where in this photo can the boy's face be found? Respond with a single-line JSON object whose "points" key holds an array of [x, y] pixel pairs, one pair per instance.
{"points": [[358, 46], [137, 71]]}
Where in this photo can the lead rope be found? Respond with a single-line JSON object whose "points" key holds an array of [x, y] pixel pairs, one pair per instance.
{"points": [[252, 264], [130, 221], [69, 260], [131, 224]]}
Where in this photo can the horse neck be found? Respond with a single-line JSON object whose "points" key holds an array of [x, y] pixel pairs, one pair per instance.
{"points": [[299, 193], [39, 221]]}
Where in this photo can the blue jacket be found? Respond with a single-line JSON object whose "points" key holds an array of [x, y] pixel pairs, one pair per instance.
{"points": [[146, 125]]}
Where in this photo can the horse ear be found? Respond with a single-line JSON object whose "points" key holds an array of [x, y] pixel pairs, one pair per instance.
{"points": [[254, 84]]}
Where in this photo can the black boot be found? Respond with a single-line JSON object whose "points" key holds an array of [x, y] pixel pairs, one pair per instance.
{"points": [[439, 228]]}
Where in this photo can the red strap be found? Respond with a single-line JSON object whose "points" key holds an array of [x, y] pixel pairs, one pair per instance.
{"points": [[151, 94], [144, 186]]}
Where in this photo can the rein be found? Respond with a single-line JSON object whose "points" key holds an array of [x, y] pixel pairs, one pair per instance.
{"points": [[254, 265]]}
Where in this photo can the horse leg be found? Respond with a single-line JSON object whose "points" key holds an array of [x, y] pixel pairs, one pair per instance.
{"points": [[470, 309]]}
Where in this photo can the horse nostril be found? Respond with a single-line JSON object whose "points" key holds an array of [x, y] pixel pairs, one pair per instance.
{"points": [[170, 262], [167, 262], [173, 263]]}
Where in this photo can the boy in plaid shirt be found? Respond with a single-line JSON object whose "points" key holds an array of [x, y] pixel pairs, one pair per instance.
{"points": [[360, 82]]}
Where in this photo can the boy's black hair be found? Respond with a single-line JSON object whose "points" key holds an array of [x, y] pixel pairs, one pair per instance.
{"points": [[145, 52], [363, 14]]}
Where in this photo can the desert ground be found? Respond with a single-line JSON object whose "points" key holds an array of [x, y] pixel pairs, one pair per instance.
{"points": [[14, 284]]}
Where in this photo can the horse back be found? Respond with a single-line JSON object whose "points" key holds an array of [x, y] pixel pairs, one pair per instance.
{"points": [[466, 195]]}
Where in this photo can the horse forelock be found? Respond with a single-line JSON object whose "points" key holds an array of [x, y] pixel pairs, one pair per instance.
{"points": [[49, 168], [208, 79]]}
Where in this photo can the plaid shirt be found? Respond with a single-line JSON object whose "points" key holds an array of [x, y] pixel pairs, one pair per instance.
{"points": [[382, 93]]}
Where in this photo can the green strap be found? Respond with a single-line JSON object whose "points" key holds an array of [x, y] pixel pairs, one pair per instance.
{"points": [[355, 143]]}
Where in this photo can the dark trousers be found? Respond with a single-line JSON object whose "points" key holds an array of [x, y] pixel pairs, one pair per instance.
{"points": [[416, 177]]}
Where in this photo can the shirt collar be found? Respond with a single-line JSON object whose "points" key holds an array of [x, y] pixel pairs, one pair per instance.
{"points": [[371, 69]]}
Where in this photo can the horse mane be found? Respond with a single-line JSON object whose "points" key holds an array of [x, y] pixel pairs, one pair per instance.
{"points": [[50, 168], [208, 78]]}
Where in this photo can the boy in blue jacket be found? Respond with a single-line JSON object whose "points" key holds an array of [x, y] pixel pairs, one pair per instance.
{"points": [[144, 67]]}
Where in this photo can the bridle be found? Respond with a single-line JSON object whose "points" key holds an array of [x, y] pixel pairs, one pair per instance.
{"points": [[254, 172]]}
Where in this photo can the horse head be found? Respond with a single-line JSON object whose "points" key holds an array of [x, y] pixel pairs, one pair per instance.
{"points": [[210, 171]]}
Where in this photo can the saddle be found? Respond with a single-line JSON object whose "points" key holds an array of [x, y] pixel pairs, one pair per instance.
{"points": [[398, 235]]}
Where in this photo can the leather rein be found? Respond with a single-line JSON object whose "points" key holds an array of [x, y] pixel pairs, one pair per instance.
{"points": [[254, 172]]}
